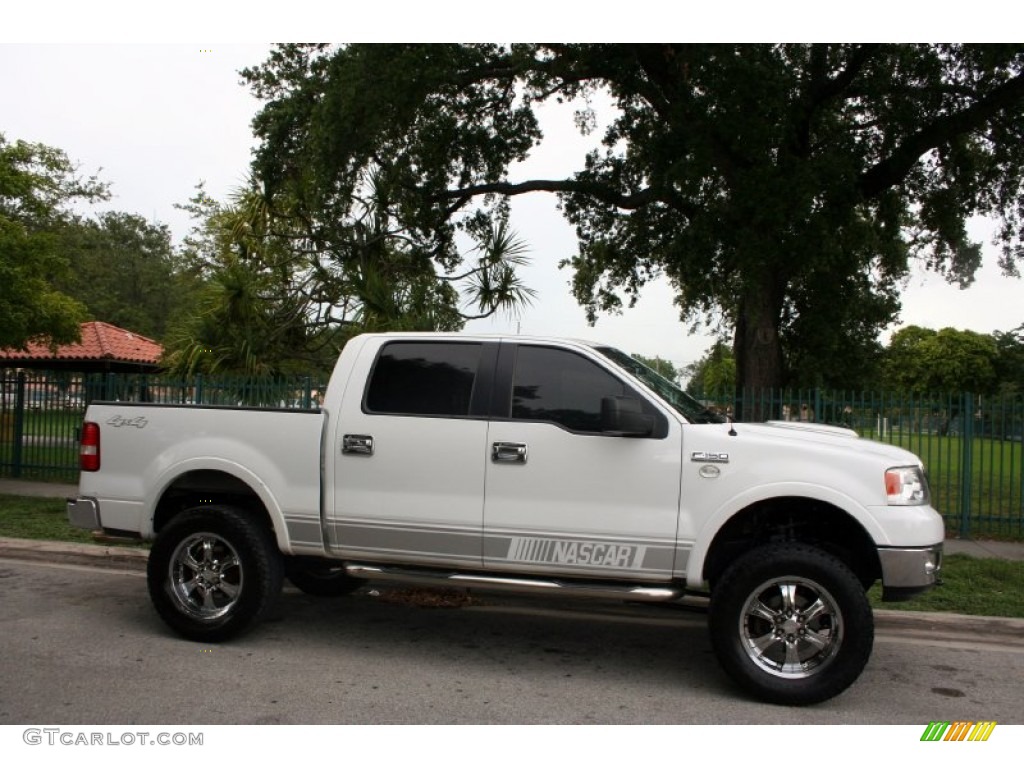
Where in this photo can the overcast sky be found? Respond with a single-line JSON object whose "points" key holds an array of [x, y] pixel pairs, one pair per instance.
{"points": [[156, 119]]}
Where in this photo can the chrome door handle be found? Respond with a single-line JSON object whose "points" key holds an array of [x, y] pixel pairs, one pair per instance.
{"points": [[509, 452], [360, 444]]}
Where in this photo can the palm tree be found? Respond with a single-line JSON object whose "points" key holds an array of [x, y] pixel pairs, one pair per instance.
{"points": [[283, 291]]}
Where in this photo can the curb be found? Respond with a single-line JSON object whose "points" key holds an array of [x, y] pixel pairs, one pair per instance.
{"points": [[953, 627], [96, 555], [977, 630]]}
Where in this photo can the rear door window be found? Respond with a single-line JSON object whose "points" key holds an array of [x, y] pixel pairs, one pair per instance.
{"points": [[414, 378]]}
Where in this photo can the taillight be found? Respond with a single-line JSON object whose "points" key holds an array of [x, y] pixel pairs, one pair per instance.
{"points": [[89, 447]]}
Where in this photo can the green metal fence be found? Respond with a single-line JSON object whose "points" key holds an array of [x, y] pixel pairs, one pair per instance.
{"points": [[41, 412], [972, 446]]}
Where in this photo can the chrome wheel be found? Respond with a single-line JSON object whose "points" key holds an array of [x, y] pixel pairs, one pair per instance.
{"points": [[214, 571], [791, 627], [791, 623], [206, 576]]}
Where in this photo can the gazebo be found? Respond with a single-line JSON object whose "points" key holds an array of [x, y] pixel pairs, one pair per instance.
{"points": [[103, 348], [44, 391]]}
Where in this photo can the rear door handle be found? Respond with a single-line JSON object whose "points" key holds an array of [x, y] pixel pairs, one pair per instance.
{"points": [[360, 444], [513, 453]]}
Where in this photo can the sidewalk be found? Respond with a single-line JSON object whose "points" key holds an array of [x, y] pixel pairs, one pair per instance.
{"points": [[12, 487]]}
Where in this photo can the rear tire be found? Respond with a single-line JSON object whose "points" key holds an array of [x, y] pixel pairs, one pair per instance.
{"points": [[213, 573], [791, 624]]}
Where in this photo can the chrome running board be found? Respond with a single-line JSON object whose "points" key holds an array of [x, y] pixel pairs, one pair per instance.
{"points": [[645, 594]]}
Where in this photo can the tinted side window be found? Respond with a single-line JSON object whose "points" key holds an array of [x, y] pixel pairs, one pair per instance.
{"points": [[559, 386], [423, 378]]}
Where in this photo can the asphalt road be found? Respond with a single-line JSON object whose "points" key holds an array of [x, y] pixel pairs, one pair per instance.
{"points": [[82, 645]]}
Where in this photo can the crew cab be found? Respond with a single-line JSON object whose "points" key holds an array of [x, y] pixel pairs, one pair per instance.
{"points": [[536, 465]]}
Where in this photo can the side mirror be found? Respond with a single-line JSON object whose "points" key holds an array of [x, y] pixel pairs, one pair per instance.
{"points": [[624, 417]]}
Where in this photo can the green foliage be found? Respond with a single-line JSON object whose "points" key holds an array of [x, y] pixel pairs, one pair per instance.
{"points": [[283, 291], [251, 315], [38, 185], [713, 374], [1010, 361], [125, 272], [781, 188], [922, 360]]}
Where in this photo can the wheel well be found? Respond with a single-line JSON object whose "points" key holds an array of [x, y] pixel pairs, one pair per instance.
{"points": [[202, 487], [795, 519]]}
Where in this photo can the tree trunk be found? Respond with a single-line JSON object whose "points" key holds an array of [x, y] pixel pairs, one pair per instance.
{"points": [[758, 350]]}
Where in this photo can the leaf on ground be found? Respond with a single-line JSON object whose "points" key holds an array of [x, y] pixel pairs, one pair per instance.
{"points": [[428, 598]]}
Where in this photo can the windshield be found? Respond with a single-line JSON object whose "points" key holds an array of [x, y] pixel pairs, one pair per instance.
{"points": [[687, 407]]}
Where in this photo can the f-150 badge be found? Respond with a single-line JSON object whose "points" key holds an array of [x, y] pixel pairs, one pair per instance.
{"points": [[710, 456]]}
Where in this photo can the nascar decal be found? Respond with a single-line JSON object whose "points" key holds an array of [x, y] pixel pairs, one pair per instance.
{"points": [[533, 550]]}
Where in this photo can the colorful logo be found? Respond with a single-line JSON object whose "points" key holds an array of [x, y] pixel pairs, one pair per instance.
{"points": [[960, 730]]}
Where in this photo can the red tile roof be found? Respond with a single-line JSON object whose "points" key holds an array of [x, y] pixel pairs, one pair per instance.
{"points": [[100, 341]]}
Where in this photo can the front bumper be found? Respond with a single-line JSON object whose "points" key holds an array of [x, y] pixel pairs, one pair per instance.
{"points": [[84, 513], [907, 571]]}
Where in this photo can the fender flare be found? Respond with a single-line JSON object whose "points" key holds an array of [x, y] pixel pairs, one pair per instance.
{"points": [[737, 504], [171, 474]]}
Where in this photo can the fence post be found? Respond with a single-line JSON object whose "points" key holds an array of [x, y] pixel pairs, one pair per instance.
{"points": [[19, 424], [966, 463], [307, 383]]}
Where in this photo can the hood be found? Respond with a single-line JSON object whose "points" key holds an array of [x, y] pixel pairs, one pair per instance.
{"points": [[835, 438], [805, 426]]}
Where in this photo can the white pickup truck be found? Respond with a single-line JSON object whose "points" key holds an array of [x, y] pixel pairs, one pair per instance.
{"points": [[529, 464]]}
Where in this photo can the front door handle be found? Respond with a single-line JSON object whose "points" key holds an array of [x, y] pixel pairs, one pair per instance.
{"points": [[514, 453], [360, 444]]}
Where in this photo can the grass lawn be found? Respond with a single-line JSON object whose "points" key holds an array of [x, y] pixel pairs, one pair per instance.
{"points": [[992, 491], [970, 585], [981, 587], [27, 517]]}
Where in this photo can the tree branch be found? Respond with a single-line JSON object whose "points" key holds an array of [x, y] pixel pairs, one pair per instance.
{"points": [[597, 191], [827, 89], [822, 89], [894, 169]]}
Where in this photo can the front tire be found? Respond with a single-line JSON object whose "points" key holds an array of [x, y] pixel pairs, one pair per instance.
{"points": [[791, 624], [213, 573]]}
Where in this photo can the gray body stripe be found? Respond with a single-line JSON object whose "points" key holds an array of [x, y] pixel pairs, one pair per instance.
{"points": [[436, 543], [304, 532], [542, 553]]}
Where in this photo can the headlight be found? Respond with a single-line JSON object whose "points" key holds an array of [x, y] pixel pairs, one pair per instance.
{"points": [[906, 486]]}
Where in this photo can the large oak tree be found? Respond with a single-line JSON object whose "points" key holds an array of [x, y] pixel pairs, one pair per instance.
{"points": [[781, 188]]}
